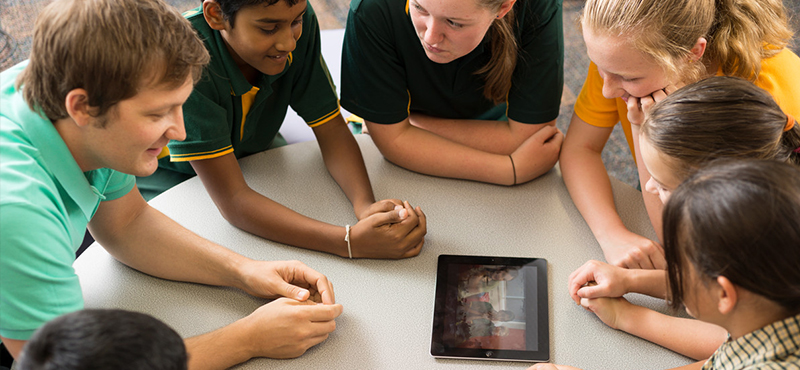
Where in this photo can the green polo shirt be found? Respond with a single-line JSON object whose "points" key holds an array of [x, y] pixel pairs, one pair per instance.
{"points": [[213, 114], [386, 74], [45, 203]]}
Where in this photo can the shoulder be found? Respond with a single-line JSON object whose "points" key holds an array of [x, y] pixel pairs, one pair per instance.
{"points": [[780, 76], [536, 13]]}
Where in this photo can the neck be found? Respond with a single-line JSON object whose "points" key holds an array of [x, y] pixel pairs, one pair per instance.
{"points": [[759, 313], [70, 133]]}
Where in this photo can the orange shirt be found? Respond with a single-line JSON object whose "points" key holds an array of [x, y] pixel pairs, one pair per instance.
{"points": [[780, 76]]}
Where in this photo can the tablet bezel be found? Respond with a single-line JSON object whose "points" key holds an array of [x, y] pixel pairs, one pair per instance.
{"points": [[439, 350]]}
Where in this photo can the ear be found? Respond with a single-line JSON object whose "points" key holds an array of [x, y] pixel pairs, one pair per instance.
{"points": [[505, 8], [698, 49], [727, 297], [213, 15], [77, 104]]}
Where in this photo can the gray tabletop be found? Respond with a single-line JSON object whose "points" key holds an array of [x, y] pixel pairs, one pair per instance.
{"points": [[388, 305]]}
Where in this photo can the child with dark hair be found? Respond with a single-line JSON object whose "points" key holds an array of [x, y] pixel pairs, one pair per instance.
{"points": [[104, 339], [719, 117], [266, 57], [731, 233]]}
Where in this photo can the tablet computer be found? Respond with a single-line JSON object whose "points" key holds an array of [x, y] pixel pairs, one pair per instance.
{"points": [[491, 308]]}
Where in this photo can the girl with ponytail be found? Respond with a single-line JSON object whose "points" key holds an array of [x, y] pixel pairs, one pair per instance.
{"points": [[719, 118], [458, 88], [641, 51]]}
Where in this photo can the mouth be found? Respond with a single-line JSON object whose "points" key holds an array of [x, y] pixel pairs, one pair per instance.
{"points": [[280, 58], [430, 48]]}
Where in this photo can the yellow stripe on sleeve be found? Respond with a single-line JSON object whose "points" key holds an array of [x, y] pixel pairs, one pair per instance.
{"points": [[325, 118], [203, 155]]}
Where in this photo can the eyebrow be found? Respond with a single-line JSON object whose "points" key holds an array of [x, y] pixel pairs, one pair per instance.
{"points": [[450, 18], [273, 20]]}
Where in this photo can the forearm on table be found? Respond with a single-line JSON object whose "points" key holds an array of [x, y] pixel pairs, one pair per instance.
{"points": [[689, 337], [344, 162], [497, 137], [156, 245], [425, 152], [589, 186], [219, 349], [259, 215], [648, 282]]}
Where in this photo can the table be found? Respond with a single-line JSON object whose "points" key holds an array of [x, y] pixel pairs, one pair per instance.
{"points": [[388, 305]]}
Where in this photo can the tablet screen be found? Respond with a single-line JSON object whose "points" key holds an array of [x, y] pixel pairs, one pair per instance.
{"points": [[491, 308]]}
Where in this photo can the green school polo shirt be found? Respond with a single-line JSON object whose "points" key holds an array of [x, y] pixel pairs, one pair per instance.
{"points": [[213, 113], [45, 203], [386, 74]]}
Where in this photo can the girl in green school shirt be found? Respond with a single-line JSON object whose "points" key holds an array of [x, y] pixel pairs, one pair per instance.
{"points": [[458, 88]]}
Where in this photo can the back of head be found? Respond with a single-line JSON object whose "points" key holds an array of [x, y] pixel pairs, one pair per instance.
{"points": [[104, 339], [720, 117], [110, 48], [739, 32], [739, 219]]}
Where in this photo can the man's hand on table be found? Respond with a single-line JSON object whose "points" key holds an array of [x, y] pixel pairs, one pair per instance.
{"points": [[291, 279], [286, 328], [395, 231]]}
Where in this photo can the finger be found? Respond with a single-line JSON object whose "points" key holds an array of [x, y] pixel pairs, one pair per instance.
{"points": [[594, 291], [557, 139], [575, 283], [647, 102], [413, 252], [322, 313], [658, 260], [546, 133], [308, 276], [659, 95], [385, 205], [386, 218], [640, 260]]}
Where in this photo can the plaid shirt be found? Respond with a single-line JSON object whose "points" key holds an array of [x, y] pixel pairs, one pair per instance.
{"points": [[775, 346]]}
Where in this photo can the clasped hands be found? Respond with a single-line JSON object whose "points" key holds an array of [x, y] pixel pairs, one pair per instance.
{"points": [[389, 228]]}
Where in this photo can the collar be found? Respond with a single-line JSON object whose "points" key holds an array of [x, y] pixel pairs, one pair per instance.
{"points": [[55, 154]]}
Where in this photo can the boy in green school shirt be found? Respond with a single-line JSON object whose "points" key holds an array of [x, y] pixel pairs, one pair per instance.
{"points": [[265, 57]]}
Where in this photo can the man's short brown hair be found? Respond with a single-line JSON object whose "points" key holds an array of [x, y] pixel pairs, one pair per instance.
{"points": [[110, 48]]}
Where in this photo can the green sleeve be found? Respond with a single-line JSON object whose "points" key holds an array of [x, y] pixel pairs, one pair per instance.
{"points": [[373, 74], [538, 80], [313, 93]]}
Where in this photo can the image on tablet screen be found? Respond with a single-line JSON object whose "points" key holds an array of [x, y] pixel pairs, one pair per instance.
{"points": [[486, 307]]}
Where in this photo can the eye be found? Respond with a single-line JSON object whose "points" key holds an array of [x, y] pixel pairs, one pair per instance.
{"points": [[454, 24], [630, 79], [419, 9], [269, 32]]}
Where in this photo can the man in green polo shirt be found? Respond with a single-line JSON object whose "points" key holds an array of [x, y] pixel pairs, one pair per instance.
{"points": [[265, 57], [77, 122]]}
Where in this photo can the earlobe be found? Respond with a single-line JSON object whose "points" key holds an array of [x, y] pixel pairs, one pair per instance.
{"points": [[213, 15], [77, 105], [727, 297], [699, 49]]}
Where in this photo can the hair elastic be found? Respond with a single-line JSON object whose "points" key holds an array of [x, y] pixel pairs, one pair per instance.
{"points": [[513, 169], [789, 122], [347, 239]]}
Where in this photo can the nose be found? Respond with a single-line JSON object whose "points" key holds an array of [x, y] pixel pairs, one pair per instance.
{"points": [[176, 129], [433, 33], [287, 40], [651, 187], [612, 88]]}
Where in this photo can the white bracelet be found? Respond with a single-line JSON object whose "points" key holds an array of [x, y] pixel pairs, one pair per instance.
{"points": [[347, 239]]}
